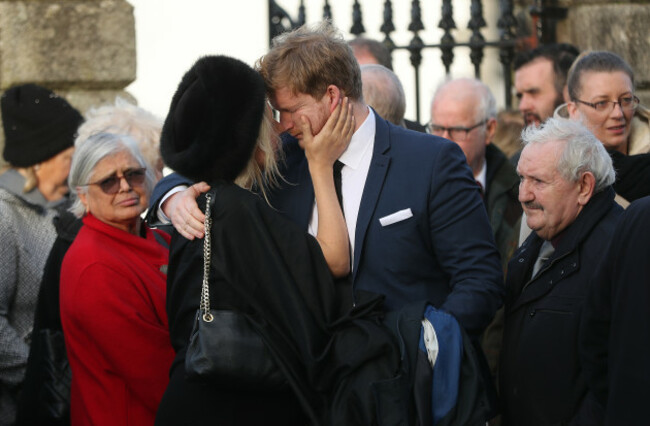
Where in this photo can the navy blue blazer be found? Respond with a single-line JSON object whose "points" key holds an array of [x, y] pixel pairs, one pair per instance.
{"points": [[444, 253]]}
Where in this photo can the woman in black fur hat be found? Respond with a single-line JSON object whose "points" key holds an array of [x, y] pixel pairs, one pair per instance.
{"points": [[266, 268]]}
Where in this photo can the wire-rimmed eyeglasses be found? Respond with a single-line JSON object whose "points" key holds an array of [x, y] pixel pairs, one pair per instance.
{"points": [[627, 103], [456, 133]]}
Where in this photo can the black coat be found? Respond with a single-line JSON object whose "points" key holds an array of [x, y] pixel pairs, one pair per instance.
{"points": [[45, 395], [615, 329], [540, 375], [632, 175], [502, 202], [269, 269]]}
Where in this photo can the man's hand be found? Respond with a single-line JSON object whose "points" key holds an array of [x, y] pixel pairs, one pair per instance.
{"points": [[184, 213]]}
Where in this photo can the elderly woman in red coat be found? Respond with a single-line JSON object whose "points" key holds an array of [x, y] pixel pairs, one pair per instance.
{"points": [[113, 289]]}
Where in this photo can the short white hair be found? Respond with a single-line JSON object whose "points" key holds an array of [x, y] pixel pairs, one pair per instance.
{"points": [[582, 152], [90, 152], [486, 108], [383, 91]]}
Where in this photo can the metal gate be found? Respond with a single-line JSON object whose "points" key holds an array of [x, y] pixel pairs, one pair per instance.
{"points": [[280, 21]]}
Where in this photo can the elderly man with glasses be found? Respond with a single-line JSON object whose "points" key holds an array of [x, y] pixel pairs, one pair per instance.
{"points": [[464, 111]]}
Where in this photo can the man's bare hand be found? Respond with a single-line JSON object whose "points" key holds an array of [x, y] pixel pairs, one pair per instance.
{"points": [[184, 213]]}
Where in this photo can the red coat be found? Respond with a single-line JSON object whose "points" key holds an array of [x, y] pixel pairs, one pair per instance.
{"points": [[115, 325]]}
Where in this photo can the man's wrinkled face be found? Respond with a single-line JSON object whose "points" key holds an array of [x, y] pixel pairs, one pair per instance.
{"points": [[548, 199], [292, 107], [451, 111], [535, 86]]}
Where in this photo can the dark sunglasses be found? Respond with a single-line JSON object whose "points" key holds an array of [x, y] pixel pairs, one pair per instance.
{"points": [[111, 184]]}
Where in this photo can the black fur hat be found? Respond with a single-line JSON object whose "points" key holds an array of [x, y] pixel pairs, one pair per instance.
{"points": [[214, 119]]}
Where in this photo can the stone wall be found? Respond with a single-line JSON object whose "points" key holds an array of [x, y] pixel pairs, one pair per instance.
{"points": [[83, 50], [620, 27]]}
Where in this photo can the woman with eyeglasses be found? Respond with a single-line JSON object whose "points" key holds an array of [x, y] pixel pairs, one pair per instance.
{"points": [[113, 289], [601, 89]]}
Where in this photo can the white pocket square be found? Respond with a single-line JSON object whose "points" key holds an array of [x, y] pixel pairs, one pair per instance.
{"points": [[396, 217]]}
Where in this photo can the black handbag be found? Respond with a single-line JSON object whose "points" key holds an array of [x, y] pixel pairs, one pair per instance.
{"points": [[224, 347], [45, 397]]}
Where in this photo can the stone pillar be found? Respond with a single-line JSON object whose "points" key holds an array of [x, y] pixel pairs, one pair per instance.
{"points": [[82, 49], [620, 27]]}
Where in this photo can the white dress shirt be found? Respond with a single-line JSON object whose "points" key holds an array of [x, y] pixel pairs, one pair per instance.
{"points": [[482, 177], [356, 163]]}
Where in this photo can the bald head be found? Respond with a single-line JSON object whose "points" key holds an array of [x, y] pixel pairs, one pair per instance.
{"points": [[383, 91], [470, 91], [467, 107]]}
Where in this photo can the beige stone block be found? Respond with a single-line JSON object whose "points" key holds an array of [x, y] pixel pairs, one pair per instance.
{"points": [[88, 44], [84, 100], [620, 28]]}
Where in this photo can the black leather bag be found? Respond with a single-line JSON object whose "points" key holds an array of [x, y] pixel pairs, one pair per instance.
{"points": [[224, 347], [45, 398], [228, 350]]}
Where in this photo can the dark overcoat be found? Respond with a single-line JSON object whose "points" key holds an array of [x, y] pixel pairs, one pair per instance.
{"points": [[615, 329], [337, 358], [540, 375], [502, 203]]}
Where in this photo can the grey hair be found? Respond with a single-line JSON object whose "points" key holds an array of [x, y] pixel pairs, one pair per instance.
{"points": [[90, 152], [383, 91], [583, 152], [124, 118], [486, 107]]}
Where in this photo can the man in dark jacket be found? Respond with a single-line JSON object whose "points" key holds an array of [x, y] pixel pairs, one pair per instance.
{"points": [[565, 191], [464, 111]]}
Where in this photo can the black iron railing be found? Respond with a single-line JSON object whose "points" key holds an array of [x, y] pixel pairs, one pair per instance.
{"points": [[280, 21]]}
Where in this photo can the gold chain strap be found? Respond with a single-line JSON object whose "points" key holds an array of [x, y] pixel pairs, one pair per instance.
{"points": [[207, 250]]}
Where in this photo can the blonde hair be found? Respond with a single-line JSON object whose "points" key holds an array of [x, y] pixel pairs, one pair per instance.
{"points": [[29, 173], [31, 181], [308, 60], [266, 176]]}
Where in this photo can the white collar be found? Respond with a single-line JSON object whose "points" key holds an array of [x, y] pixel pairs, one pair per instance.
{"points": [[361, 141], [482, 176]]}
